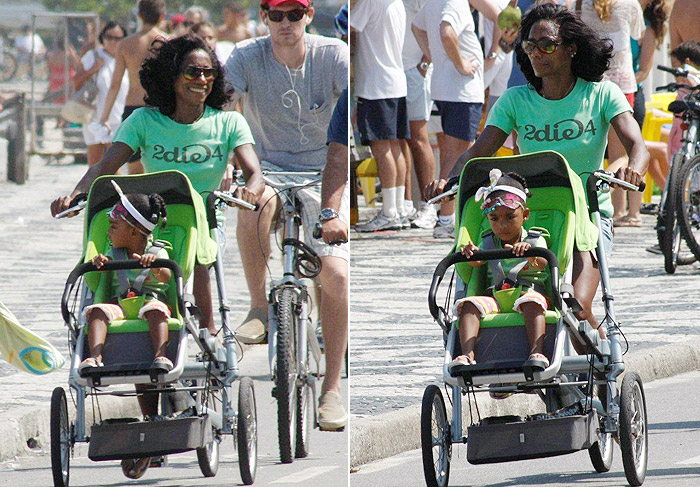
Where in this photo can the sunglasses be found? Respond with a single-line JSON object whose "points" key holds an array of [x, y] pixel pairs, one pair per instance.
{"points": [[293, 15], [108, 37], [119, 212], [545, 45], [193, 72]]}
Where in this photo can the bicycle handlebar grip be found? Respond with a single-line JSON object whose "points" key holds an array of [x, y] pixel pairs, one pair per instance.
{"points": [[673, 71]]}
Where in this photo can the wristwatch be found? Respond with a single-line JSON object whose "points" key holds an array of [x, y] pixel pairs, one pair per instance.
{"points": [[327, 214], [424, 65], [492, 55]]}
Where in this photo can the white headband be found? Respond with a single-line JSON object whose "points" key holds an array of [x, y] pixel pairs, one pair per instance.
{"points": [[494, 175], [133, 211]]}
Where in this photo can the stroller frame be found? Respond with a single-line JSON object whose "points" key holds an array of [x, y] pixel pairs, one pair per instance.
{"points": [[188, 387], [621, 414]]}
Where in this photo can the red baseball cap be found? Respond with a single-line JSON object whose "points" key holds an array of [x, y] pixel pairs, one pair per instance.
{"points": [[277, 3], [177, 19]]}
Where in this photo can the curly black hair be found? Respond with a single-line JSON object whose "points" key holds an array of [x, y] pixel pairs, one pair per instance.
{"points": [[158, 73], [151, 207], [593, 52]]}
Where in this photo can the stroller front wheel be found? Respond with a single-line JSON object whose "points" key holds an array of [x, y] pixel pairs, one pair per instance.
{"points": [[633, 429], [601, 453], [436, 441], [61, 441], [247, 433]]}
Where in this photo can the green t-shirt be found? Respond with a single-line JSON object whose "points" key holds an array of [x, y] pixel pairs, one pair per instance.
{"points": [[200, 150], [575, 126], [151, 284], [527, 273]]}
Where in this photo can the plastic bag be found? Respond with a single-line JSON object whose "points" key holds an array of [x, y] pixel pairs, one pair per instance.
{"points": [[24, 349]]}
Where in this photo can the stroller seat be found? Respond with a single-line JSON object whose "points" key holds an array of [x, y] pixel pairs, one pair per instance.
{"points": [[502, 345], [128, 351]]}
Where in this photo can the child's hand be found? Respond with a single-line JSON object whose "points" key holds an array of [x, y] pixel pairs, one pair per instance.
{"points": [[519, 248], [145, 259], [99, 260], [469, 249]]}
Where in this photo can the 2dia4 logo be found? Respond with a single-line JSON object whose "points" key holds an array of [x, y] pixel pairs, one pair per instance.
{"points": [[193, 153], [569, 129]]}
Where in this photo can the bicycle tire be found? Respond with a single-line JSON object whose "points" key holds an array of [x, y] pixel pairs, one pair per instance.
{"points": [[667, 232], [688, 191], [285, 377], [61, 438], [247, 433]]}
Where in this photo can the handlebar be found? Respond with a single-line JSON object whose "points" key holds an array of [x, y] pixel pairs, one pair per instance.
{"points": [[79, 203], [286, 185], [499, 254], [452, 183], [114, 265], [228, 197], [610, 178]]}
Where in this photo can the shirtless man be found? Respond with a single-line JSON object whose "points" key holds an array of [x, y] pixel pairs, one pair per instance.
{"points": [[130, 54], [683, 23], [235, 27]]}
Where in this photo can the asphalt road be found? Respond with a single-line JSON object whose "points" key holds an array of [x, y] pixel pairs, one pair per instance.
{"points": [[673, 407], [326, 465]]}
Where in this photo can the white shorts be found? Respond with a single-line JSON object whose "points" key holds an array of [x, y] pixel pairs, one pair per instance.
{"points": [[496, 78], [310, 199], [418, 102]]}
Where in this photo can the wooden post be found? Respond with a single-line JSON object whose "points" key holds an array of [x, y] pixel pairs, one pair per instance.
{"points": [[17, 167]]}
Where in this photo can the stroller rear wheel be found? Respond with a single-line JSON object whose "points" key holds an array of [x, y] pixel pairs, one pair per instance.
{"points": [[436, 441], [633, 429], [247, 434], [60, 438], [208, 456], [601, 453]]}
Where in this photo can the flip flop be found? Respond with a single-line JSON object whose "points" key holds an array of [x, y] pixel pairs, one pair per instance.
{"points": [[89, 363], [461, 360], [163, 363]]}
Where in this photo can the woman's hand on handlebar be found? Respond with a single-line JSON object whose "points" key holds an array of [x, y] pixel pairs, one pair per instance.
{"points": [[246, 194], [62, 204], [629, 175], [434, 188]]}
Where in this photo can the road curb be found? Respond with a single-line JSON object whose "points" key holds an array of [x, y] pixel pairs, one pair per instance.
{"points": [[388, 434], [19, 428]]}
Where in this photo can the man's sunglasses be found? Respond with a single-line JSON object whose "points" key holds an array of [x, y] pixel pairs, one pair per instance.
{"points": [[194, 72], [545, 45], [293, 15]]}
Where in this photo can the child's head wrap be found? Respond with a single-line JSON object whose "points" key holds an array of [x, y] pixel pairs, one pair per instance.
{"points": [[511, 192], [135, 214]]}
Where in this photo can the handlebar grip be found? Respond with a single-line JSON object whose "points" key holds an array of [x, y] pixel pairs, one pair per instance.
{"points": [[673, 71], [642, 186]]}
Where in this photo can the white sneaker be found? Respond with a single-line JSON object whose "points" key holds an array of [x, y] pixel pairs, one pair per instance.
{"points": [[444, 231], [426, 217], [405, 222], [379, 222], [411, 213]]}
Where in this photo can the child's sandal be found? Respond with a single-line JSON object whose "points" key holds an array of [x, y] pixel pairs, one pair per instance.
{"points": [[162, 363], [461, 360], [537, 361]]}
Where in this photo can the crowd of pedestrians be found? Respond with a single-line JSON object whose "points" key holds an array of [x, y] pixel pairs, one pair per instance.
{"points": [[456, 62]]}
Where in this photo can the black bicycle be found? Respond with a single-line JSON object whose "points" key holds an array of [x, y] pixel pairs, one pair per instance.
{"points": [[674, 199]]}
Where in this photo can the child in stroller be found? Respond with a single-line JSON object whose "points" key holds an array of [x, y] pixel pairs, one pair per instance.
{"points": [[515, 283]]}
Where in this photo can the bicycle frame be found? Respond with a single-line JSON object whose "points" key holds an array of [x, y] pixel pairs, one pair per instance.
{"points": [[305, 335]]}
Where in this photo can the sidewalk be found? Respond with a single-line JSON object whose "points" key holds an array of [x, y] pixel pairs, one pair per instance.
{"points": [[396, 348], [37, 254]]}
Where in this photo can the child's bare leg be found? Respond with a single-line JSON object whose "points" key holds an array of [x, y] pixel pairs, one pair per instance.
{"points": [[158, 324], [534, 326], [97, 333], [469, 321]]}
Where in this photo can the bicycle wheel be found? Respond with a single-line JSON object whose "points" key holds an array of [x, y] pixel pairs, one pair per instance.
{"points": [[285, 387], [247, 433], [633, 429], [688, 211], [667, 230], [208, 456], [436, 442], [9, 66], [304, 417], [60, 438]]}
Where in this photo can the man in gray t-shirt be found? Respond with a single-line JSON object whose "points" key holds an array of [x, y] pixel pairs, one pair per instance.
{"points": [[291, 81]]}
